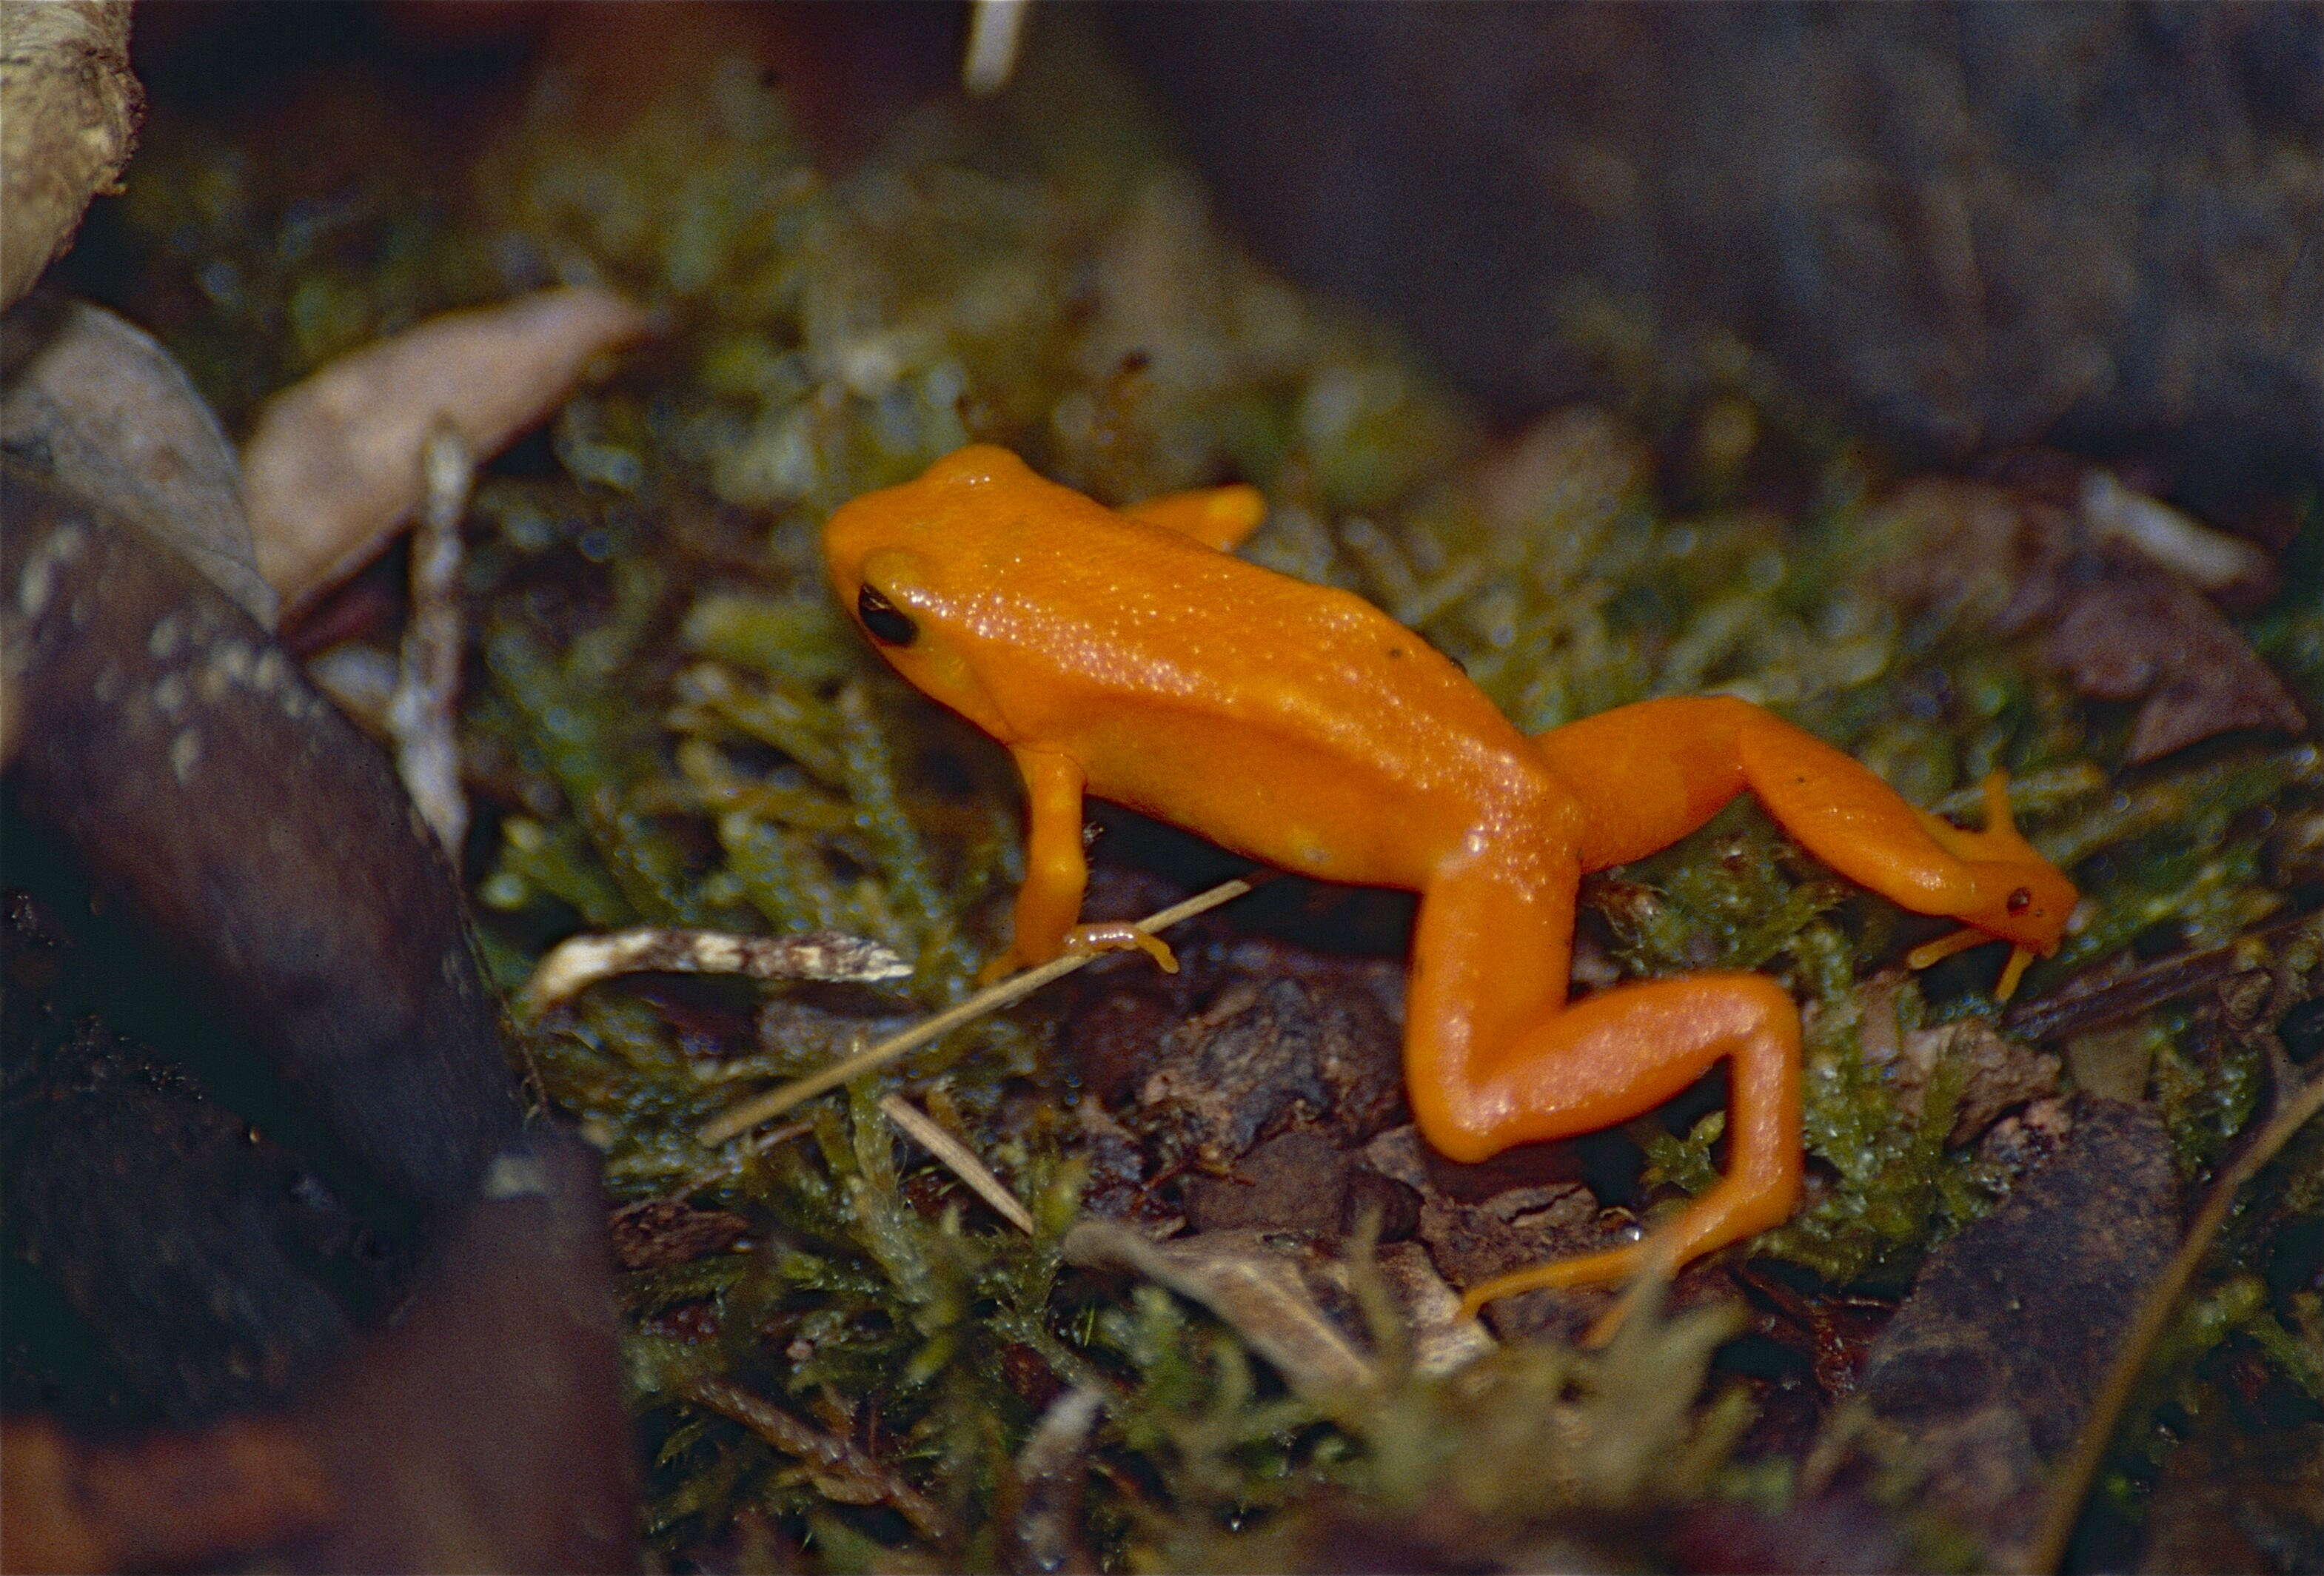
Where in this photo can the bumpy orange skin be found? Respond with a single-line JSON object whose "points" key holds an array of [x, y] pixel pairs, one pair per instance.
{"points": [[1124, 654]]}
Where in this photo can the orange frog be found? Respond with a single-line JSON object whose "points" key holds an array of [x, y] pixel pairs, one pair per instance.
{"points": [[1128, 655]]}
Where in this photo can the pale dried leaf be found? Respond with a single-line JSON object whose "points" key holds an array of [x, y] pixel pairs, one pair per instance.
{"points": [[334, 466], [1260, 1293]]}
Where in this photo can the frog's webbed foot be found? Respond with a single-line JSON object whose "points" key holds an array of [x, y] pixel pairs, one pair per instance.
{"points": [[1738, 1206], [1121, 936], [1644, 1264], [1998, 842], [1084, 940], [2036, 891]]}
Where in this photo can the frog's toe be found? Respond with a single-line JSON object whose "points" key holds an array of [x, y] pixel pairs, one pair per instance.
{"points": [[1589, 1269]]}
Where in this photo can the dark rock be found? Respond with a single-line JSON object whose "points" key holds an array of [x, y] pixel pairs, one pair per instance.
{"points": [[155, 1271], [485, 1429], [1954, 228], [264, 855], [1991, 1363], [326, 1089]]}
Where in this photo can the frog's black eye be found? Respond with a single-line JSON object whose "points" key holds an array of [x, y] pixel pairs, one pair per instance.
{"points": [[884, 619], [2020, 900]]}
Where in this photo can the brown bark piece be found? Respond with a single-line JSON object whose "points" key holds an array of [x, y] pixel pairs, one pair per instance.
{"points": [[69, 114], [1265, 1058]]}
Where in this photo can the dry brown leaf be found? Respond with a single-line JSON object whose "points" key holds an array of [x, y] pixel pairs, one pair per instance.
{"points": [[1263, 1294], [2125, 629], [1998, 1072], [2122, 626]]}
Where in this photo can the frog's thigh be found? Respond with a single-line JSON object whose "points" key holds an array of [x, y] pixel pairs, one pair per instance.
{"points": [[1490, 958], [1218, 517]]}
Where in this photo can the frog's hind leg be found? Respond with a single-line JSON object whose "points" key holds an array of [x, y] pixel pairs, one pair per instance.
{"points": [[1217, 517], [1496, 1057]]}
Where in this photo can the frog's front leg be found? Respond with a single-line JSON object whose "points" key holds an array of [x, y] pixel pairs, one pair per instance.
{"points": [[1645, 775], [1495, 1056], [1056, 875]]}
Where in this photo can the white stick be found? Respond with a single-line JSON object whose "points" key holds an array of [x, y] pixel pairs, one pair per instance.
{"points": [[773, 1103]]}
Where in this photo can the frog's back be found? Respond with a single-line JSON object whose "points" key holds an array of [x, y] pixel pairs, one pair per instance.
{"points": [[1297, 721], [1069, 596]]}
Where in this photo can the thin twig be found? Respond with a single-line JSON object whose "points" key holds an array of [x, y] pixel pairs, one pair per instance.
{"points": [[773, 1103], [419, 713], [2056, 1016], [995, 30], [581, 961], [841, 1470], [2071, 1484], [958, 1157]]}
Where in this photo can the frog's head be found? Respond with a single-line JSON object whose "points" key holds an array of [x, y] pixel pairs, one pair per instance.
{"points": [[905, 563]]}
